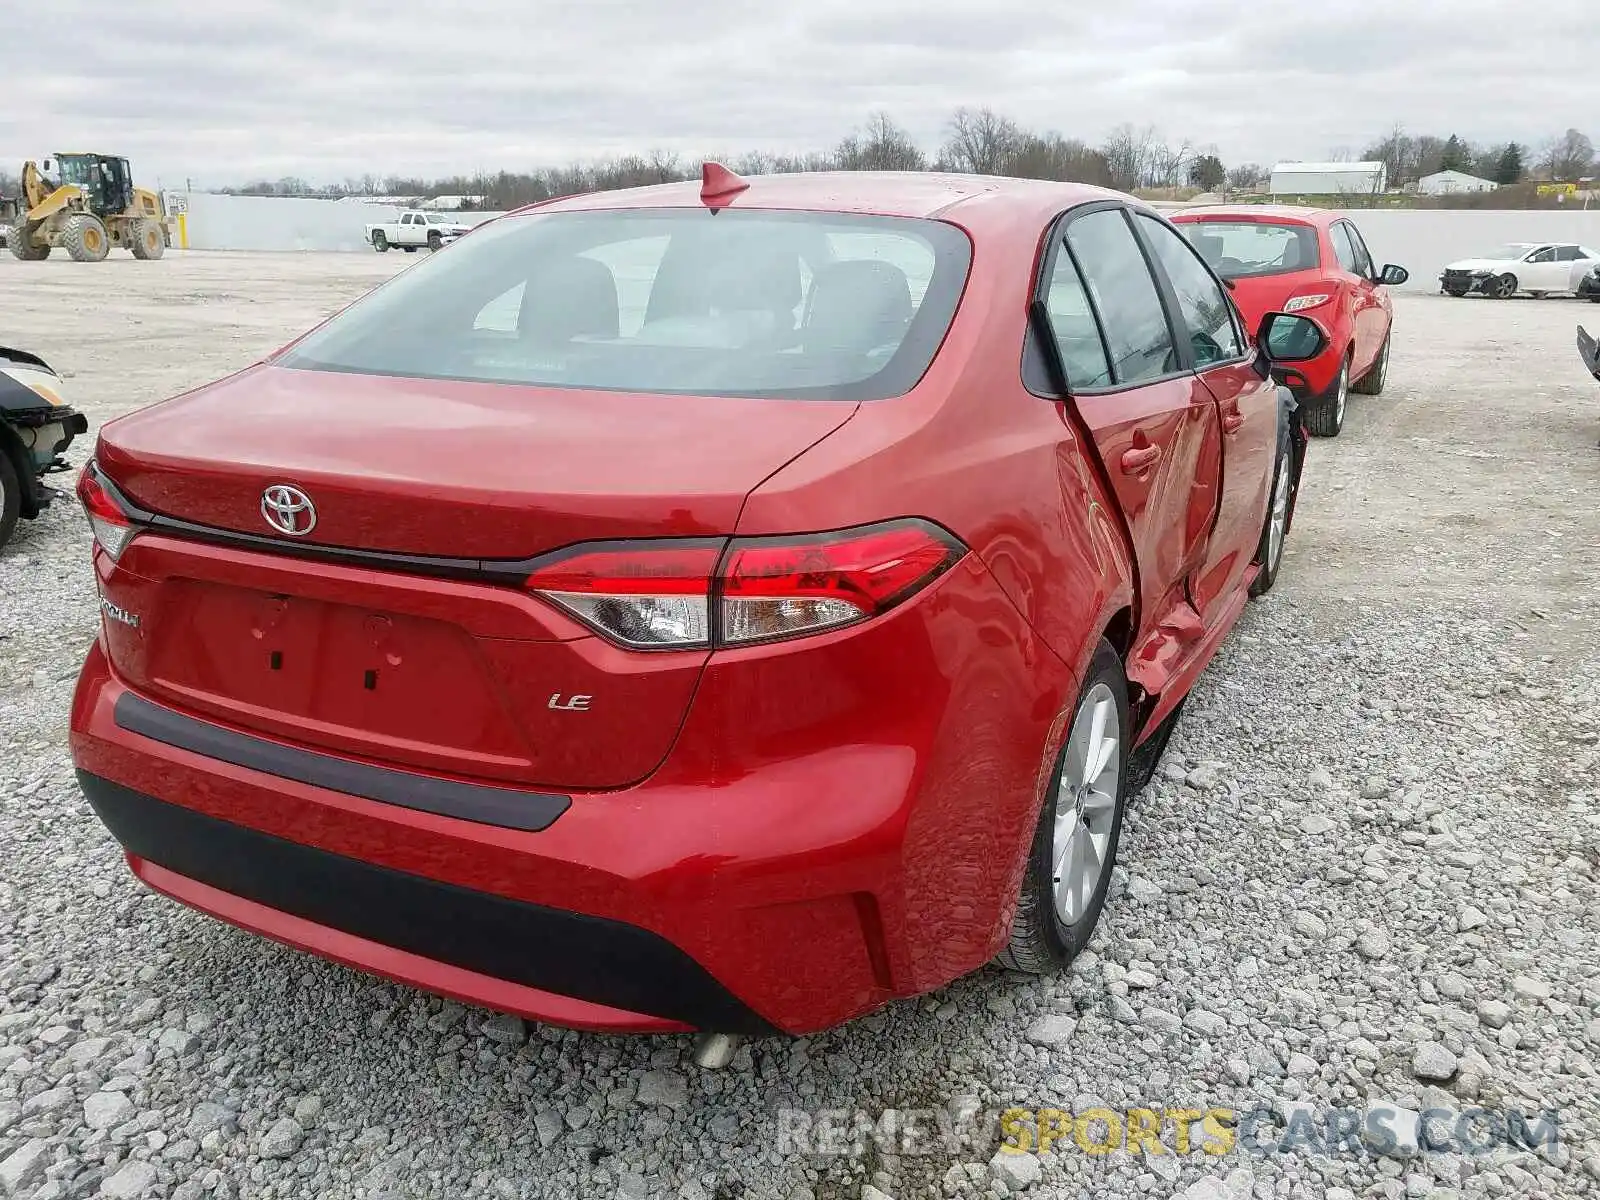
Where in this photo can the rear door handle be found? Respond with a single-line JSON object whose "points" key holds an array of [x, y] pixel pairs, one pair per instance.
{"points": [[1233, 420], [1140, 460]]}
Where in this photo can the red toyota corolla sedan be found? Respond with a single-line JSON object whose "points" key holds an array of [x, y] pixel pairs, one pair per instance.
{"points": [[1284, 259], [723, 608]]}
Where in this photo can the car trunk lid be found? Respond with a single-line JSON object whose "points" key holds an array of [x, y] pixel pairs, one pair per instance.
{"points": [[395, 662]]}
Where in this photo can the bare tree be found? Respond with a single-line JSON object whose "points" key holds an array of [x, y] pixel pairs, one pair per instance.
{"points": [[881, 146], [981, 142], [1246, 177], [1128, 153], [1569, 157], [1169, 164]]}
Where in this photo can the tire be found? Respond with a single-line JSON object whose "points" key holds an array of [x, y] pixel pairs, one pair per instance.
{"points": [[1324, 416], [380, 242], [1371, 384], [1502, 287], [23, 247], [1045, 936], [1275, 526], [1594, 299], [147, 240], [84, 237], [10, 496], [435, 242]]}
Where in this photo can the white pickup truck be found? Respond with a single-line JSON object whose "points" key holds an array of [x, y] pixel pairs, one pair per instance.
{"points": [[415, 229]]}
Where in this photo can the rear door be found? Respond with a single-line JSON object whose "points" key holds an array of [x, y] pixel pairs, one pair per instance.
{"points": [[1542, 272], [1369, 300], [1154, 424], [1247, 407]]}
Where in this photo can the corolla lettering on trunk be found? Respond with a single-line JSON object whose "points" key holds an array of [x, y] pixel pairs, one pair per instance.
{"points": [[571, 703], [130, 619]]}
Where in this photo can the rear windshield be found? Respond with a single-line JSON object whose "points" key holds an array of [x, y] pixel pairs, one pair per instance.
{"points": [[1241, 249], [689, 301]]}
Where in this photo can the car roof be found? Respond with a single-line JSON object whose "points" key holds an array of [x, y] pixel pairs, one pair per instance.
{"points": [[882, 193], [1292, 214]]}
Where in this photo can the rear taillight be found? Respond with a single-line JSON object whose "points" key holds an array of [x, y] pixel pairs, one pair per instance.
{"points": [[777, 587], [1310, 300], [665, 596], [112, 529], [656, 597]]}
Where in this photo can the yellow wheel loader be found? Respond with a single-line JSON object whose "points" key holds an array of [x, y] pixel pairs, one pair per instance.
{"points": [[86, 204]]}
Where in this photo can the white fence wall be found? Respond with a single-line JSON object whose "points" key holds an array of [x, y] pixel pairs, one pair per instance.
{"points": [[1421, 240], [218, 222]]}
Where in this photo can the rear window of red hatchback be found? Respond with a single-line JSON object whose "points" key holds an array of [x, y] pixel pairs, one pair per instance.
{"points": [[1247, 249], [686, 301]]}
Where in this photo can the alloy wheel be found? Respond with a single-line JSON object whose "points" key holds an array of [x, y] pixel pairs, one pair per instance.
{"points": [[1280, 516], [1086, 804]]}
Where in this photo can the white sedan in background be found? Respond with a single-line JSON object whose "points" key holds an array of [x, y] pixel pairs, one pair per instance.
{"points": [[1537, 267]]}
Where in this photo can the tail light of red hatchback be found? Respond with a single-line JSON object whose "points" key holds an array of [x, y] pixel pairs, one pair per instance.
{"points": [[112, 528], [683, 595]]}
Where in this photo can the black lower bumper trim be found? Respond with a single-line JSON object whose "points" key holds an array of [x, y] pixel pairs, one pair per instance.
{"points": [[571, 954], [507, 808]]}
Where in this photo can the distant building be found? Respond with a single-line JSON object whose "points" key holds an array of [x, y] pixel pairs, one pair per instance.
{"points": [[452, 203], [1444, 183], [1328, 179]]}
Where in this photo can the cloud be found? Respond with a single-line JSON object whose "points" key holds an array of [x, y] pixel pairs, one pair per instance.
{"points": [[227, 93]]}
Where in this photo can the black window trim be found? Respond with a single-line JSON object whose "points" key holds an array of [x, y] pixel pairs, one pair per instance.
{"points": [[1169, 294], [1359, 245], [1054, 241]]}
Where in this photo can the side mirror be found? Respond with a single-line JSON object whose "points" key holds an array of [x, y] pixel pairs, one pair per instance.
{"points": [[1589, 352], [1393, 276], [1286, 338]]}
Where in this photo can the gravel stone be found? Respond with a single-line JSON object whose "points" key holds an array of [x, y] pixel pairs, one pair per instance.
{"points": [[1494, 1013], [1016, 1171], [1317, 824], [1052, 1029], [1433, 1063], [1531, 989], [1309, 925], [1373, 944], [668, 1089], [283, 1139], [106, 1110], [130, 1181], [24, 1166]]}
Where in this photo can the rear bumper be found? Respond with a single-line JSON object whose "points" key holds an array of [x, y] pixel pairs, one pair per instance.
{"points": [[834, 829], [527, 957]]}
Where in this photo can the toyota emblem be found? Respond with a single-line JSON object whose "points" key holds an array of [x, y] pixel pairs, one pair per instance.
{"points": [[288, 510]]}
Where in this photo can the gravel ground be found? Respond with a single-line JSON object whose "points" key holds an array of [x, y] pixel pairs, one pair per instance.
{"points": [[1366, 875]]}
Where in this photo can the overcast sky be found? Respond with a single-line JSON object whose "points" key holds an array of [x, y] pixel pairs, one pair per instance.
{"points": [[244, 89]]}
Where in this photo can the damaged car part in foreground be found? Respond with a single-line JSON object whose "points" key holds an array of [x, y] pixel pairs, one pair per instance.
{"points": [[692, 616], [36, 427]]}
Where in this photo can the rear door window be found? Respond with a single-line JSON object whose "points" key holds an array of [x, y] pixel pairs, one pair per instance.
{"points": [[1363, 258], [1073, 323], [1124, 293], [1207, 315], [1343, 249]]}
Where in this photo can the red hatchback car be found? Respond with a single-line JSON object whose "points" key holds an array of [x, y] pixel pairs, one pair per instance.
{"points": [[1279, 258], [723, 608]]}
